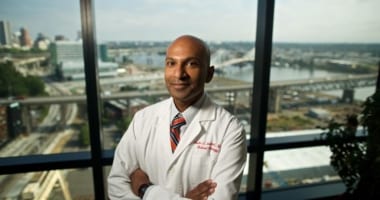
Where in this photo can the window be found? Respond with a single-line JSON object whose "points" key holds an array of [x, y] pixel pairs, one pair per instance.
{"points": [[53, 184], [323, 67], [43, 109], [138, 48], [52, 122]]}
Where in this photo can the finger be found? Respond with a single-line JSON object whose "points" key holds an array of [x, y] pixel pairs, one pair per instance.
{"points": [[204, 186], [211, 189], [206, 189], [202, 190]]}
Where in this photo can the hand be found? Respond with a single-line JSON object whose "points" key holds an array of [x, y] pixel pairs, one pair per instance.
{"points": [[138, 177], [202, 191]]}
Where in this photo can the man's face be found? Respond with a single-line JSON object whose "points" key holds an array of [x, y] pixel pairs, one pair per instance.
{"points": [[186, 71]]}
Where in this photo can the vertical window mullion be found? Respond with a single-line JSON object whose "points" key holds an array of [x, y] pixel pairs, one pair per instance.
{"points": [[93, 97], [378, 77], [263, 51]]}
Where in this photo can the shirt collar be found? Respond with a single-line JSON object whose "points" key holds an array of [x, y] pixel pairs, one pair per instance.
{"points": [[190, 112]]}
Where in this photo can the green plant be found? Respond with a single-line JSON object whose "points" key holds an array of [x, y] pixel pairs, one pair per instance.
{"points": [[347, 153], [358, 163], [369, 183]]}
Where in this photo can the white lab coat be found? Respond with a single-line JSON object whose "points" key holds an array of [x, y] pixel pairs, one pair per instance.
{"points": [[212, 147]]}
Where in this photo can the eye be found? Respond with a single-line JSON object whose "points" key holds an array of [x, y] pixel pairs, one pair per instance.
{"points": [[170, 63], [193, 63]]}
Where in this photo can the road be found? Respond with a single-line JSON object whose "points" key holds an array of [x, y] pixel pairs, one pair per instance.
{"points": [[45, 140]]}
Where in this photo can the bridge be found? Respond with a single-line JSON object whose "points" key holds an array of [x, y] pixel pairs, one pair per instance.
{"points": [[346, 83], [327, 83], [222, 58], [235, 61], [41, 188], [33, 61], [27, 66]]}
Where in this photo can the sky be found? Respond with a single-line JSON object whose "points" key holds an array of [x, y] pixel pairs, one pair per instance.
{"points": [[342, 21]]}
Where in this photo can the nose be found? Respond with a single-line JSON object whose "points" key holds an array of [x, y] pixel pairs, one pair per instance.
{"points": [[179, 71]]}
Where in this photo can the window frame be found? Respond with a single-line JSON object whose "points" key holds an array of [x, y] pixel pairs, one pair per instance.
{"points": [[97, 158]]}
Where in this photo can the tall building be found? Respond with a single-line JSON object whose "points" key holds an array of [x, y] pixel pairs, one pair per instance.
{"points": [[5, 33], [25, 39], [62, 51], [103, 51], [14, 120]]}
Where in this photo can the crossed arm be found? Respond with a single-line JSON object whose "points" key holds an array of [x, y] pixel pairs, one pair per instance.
{"points": [[200, 192]]}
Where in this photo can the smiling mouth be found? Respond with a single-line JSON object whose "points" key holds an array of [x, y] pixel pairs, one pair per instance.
{"points": [[179, 85]]}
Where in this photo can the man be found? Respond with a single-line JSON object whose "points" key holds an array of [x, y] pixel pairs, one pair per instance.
{"points": [[199, 155]]}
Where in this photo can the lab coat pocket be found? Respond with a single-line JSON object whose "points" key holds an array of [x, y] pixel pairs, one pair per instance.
{"points": [[202, 163]]}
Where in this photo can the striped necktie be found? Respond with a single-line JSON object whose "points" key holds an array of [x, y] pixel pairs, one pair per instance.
{"points": [[175, 126]]}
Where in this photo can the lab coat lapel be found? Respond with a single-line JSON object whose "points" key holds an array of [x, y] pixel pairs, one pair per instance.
{"points": [[188, 137], [206, 113], [163, 132]]}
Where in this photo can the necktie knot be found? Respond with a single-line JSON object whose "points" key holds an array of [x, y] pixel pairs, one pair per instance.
{"points": [[178, 121], [175, 126]]}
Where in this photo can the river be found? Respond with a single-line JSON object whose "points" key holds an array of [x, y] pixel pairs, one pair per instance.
{"points": [[277, 73], [286, 73]]}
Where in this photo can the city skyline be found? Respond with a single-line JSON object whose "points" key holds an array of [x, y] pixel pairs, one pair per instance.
{"points": [[338, 21]]}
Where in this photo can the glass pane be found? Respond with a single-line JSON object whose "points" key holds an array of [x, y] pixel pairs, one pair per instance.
{"points": [[324, 64], [133, 37], [106, 170], [55, 184], [49, 129], [42, 102], [283, 168], [135, 51]]}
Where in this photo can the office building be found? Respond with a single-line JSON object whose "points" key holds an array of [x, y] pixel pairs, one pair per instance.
{"points": [[14, 119], [66, 51], [5, 33], [74, 70], [25, 39], [103, 49], [67, 57]]}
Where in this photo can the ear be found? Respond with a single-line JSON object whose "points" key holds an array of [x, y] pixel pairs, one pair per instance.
{"points": [[210, 74]]}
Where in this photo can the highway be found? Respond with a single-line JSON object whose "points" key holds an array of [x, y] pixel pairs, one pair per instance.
{"points": [[44, 141], [312, 85]]}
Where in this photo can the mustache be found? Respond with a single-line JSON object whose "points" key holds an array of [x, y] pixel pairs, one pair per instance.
{"points": [[178, 81]]}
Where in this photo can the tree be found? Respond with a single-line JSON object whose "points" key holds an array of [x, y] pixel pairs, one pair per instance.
{"points": [[123, 123], [8, 75], [35, 85], [84, 135], [13, 83]]}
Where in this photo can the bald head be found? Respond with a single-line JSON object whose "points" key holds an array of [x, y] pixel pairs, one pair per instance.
{"points": [[196, 43], [187, 69]]}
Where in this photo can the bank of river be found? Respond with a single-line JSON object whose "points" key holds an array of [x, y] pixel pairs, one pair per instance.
{"points": [[286, 73]]}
